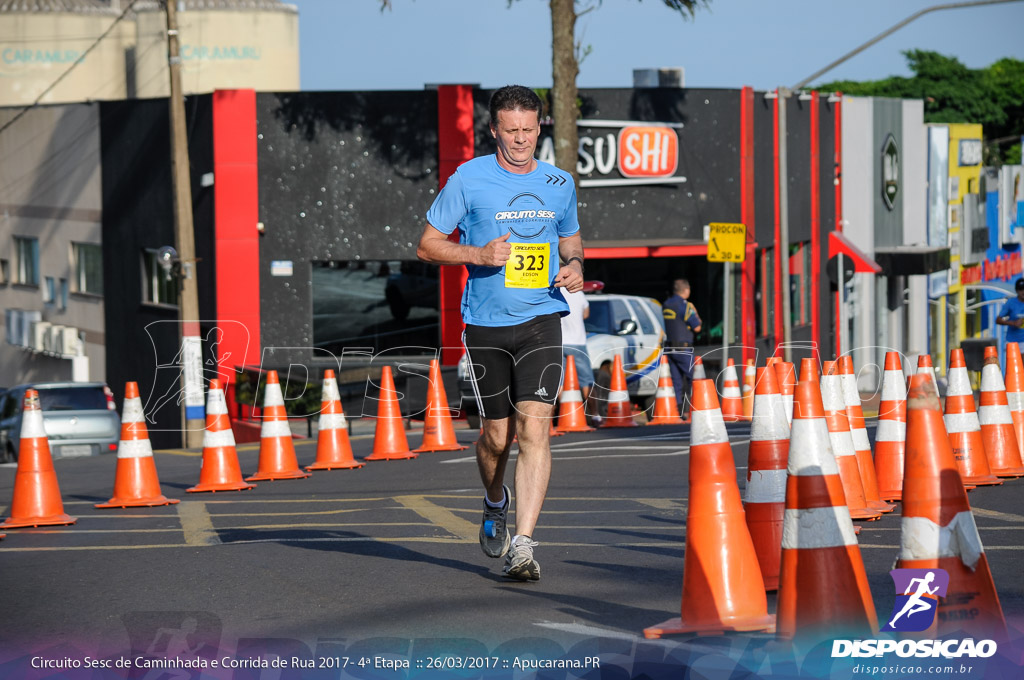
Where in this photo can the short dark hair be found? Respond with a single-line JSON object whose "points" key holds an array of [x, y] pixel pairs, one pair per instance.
{"points": [[512, 97], [1019, 285], [680, 285]]}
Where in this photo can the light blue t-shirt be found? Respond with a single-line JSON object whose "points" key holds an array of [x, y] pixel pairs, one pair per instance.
{"points": [[1014, 309], [484, 201]]}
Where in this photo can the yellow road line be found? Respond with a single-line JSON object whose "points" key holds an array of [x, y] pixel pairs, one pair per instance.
{"points": [[299, 512], [325, 525], [196, 524], [661, 503], [995, 514], [439, 516]]}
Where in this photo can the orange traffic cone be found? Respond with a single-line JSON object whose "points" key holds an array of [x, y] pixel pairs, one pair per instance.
{"points": [[732, 398], [809, 369], [749, 379], [785, 372], [1015, 391], [620, 410], [277, 452], [333, 448], [842, 445], [220, 470], [36, 501], [938, 529], [135, 482], [572, 416], [438, 430], [666, 408], [698, 370], [722, 585], [389, 442], [765, 500], [962, 424], [861, 443], [823, 586], [996, 422], [924, 365], [891, 434]]}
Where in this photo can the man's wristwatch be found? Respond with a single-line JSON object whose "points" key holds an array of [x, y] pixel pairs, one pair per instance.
{"points": [[578, 259]]}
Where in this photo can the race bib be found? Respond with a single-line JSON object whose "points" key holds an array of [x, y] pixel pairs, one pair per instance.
{"points": [[528, 265]]}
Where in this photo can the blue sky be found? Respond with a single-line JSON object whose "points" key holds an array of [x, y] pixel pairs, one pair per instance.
{"points": [[352, 45]]}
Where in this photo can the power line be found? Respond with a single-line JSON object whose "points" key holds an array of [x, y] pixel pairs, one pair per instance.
{"points": [[62, 76]]}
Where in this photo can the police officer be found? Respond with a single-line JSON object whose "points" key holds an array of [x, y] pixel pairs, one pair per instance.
{"points": [[681, 324]]}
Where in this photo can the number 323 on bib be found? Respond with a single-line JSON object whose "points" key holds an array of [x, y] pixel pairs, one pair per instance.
{"points": [[528, 265]]}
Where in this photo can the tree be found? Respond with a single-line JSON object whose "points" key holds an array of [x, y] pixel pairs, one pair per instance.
{"points": [[952, 93], [566, 55]]}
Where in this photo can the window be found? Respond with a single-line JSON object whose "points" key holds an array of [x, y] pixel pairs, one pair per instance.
{"points": [[62, 300], [800, 283], [5, 272], [87, 265], [27, 263], [764, 293], [647, 326], [158, 286], [49, 290]]}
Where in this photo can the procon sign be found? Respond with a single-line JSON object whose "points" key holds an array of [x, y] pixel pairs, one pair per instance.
{"points": [[631, 152]]}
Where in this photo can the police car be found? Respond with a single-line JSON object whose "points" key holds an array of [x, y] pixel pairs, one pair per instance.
{"points": [[628, 326]]}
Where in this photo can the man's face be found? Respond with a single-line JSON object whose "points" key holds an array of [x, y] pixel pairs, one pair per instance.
{"points": [[516, 134], [1020, 294]]}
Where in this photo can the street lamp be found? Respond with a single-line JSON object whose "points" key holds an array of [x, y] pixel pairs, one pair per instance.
{"points": [[783, 94]]}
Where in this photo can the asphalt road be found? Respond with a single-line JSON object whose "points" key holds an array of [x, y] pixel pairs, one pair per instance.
{"points": [[384, 561]]}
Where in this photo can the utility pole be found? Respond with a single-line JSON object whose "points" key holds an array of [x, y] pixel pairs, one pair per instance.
{"points": [[192, 411]]}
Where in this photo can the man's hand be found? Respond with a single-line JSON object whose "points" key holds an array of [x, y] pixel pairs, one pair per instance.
{"points": [[569, 276], [496, 252]]}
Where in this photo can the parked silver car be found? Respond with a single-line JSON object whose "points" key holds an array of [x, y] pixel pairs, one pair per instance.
{"points": [[80, 419]]}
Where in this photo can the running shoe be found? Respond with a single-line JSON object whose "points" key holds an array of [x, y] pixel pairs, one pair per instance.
{"points": [[519, 562], [494, 537]]}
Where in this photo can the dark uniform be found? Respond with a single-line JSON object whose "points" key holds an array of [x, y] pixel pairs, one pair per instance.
{"points": [[680, 321]]}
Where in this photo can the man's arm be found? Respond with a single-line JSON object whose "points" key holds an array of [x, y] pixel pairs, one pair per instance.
{"points": [[435, 248], [570, 275]]}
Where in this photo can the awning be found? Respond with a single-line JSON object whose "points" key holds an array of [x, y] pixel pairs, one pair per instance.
{"points": [[912, 260], [862, 264]]}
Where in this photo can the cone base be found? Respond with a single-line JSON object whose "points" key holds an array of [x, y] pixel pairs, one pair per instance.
{"points": [[137, 502], [666, 420], [982, 480], [567, 430], [225, 486], [335, 465], [896, 495], [273, 476], [619, 421], [446, 447], [865, 514], [1009, 473], [49, 520], [407, 455], [677, 626], [881, 506]]}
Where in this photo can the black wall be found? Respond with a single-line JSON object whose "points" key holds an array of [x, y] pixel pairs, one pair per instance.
{"points": [[138, 213]]}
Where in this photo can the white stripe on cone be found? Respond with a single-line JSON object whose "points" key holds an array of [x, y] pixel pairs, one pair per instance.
{"points": [[134, 448], [787, 399], [848, 382], [272, 395], [992, 379], [664, 392], [215, 403], [615, 396], [218, 439], [133, 411], [810, 452], [333, 421], [275, 428], [998, 414], [923, 539], [707, 427], [766, 486], [891, 431], [1015, 400], [817, 528], [769, 422], [32, 425], [958, 423], [959, 384], [330, 392], [894, 387], [571, 396]]}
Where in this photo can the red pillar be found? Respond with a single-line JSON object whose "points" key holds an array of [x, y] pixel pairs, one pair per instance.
{"points": [[237, 246], [455, 147], [816, 330], [838, 186], [781, 249], [748, 326]]}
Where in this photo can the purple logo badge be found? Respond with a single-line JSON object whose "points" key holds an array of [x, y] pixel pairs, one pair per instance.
{"points": [[917, 598]]}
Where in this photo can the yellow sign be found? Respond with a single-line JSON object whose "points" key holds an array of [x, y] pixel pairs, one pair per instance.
{"points": [[727, 242], [527, 267]]}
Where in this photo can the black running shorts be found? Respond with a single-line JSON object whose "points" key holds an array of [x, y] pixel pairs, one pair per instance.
{"points": [[510, 364]]}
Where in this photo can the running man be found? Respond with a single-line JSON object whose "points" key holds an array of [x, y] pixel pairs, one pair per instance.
{"points": [[515, 216], [915, 604]]}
